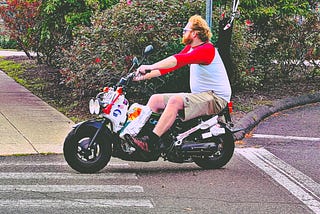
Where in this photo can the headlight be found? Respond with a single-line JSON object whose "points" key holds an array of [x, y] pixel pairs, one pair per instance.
{"points": [[94, 106]]}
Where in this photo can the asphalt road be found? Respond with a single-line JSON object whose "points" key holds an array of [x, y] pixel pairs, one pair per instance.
{"points": [[294, 136], [293, 139], [273, 174], [48, 185]]}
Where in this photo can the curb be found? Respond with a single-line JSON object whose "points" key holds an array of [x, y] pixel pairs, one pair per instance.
{"points": [[254, 117]]}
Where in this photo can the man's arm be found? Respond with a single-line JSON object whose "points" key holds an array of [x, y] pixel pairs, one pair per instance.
{"points": [[169, 62], [159, 68]]}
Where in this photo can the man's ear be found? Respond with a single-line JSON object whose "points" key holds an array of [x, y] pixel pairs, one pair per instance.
{"points": [[194, 34]]}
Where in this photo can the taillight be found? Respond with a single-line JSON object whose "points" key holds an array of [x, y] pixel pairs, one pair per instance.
{"points": [[230, 107]]}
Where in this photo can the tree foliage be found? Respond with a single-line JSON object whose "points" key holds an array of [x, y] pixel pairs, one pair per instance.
{"points": [[58, 20], [20, 18], [47, 26]]}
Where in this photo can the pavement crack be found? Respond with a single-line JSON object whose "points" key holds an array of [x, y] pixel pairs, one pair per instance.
{"points": [[16, 128]]}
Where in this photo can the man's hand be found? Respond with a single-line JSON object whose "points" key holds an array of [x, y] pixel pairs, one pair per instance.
{"points": [[145, 72], [142, 72], [144, 69], [138, 77]]}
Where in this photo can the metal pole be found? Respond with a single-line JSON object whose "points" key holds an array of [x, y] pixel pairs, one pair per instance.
{"points": [[209, 12]]}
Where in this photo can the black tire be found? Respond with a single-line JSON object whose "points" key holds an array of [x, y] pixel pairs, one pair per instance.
{"points": [[221, 157], [79, 158]]}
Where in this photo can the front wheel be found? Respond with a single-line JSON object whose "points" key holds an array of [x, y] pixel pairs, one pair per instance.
{"points": [[222, 156], [82, 159]]}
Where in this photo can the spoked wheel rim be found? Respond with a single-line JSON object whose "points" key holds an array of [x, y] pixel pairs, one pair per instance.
{"points": [[88, 155], [82, 159]]}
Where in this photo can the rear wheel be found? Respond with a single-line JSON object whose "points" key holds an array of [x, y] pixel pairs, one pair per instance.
{"points": [[82, 159], [221, 157]]}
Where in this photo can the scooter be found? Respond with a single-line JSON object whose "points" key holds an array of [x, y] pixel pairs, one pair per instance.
{"points": [[208, 141]]}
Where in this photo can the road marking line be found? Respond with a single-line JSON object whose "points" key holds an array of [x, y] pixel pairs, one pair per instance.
{"points": [[285, 137], [64, 176], [70, 188], [301, 186], [77, 203]]}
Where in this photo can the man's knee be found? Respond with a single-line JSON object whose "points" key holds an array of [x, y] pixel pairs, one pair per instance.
{"points": [[175, 102], [156, 102], [155, 97]]}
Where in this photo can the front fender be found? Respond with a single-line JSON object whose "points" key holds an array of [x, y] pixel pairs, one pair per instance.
{"points": [[97, 124]]}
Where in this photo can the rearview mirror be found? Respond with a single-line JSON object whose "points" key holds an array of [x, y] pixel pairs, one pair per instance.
{"points": [[148, 50]]}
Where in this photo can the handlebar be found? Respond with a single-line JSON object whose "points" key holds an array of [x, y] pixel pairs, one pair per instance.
{"points": [[125, 81]]}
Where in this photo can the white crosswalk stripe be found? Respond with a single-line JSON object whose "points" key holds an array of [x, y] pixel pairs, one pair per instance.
{"points": [[64, 176], [98, 189], [298, 184], [77, 203], [70, 188]]}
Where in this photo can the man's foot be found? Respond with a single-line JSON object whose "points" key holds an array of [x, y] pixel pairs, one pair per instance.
{"points": [[142, 143]]}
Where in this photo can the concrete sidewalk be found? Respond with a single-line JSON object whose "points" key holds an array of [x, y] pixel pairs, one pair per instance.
{"points": [[27, 124]]}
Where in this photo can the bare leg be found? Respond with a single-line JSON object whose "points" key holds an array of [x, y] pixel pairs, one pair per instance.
{"points": [[169, 114], [156, 103]]}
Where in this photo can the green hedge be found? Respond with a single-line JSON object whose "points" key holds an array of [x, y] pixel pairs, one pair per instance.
{"points": [[102, 53]]}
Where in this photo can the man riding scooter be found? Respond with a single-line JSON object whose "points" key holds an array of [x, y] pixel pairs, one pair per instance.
{"points": [[209, 83]]}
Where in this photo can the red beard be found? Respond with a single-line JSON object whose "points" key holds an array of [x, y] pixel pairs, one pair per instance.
{"points": [[186, 40]]}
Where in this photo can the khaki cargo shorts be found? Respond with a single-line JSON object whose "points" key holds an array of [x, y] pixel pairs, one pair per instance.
{"points": [[195, 105]]}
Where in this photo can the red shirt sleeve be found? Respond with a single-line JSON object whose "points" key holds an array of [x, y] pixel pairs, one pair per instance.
{"points": [[203, 54]]}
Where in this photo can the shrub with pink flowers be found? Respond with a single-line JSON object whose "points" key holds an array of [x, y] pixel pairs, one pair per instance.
{"points": [[278, 40], [267, 43], [102, 53], [92, 42]]}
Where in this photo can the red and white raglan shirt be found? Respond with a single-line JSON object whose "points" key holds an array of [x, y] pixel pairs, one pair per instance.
{"points": [[207, 71]]}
